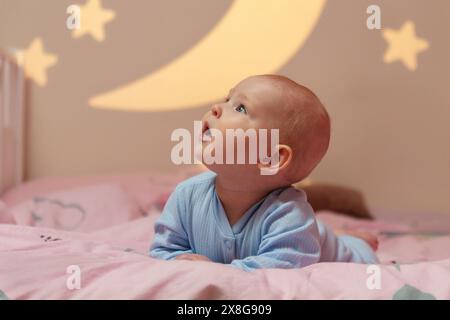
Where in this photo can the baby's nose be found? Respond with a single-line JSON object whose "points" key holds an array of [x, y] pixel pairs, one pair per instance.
{"points": [[216, 110]]}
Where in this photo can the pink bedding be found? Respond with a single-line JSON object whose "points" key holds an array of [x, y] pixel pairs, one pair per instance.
{"points": [[42, 258]]}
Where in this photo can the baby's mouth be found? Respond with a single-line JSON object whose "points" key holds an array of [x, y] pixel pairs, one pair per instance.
{"points": [[206, 132]]}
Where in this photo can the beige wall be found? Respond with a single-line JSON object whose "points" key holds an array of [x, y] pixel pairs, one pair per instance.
{"points": [[391, 136]]}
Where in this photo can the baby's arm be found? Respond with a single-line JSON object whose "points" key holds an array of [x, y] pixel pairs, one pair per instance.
{"points": [[192, 257], [345, 247], [170, 239], [290, 240]]}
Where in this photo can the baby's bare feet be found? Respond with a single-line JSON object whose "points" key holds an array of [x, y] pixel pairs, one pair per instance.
{"points": [[368, 237]]}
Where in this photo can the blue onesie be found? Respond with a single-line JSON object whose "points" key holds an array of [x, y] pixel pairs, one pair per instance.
{"points": [[280, 231]]}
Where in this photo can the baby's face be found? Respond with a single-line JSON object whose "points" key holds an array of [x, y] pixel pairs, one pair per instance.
{"points": [[251, 104], [255, 103]]}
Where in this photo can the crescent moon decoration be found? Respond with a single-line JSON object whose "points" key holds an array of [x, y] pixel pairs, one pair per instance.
{"points": [[250, 39]]}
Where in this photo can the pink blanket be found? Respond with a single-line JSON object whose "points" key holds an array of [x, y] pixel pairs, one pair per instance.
{"points": [[48, 254], [38, 263]]}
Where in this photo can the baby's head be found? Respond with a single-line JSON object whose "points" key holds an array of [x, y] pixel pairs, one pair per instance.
{"points": [[274, 102]]}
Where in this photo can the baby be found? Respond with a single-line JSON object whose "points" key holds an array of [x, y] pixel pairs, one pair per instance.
{"points": [[235, 215]]}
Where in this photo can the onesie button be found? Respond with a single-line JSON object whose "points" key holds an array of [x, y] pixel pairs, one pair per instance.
{"points": [[228, 244]]}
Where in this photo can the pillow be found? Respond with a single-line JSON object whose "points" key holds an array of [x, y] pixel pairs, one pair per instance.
{"points": [[145, 187], [82, 209], [336, 198]]}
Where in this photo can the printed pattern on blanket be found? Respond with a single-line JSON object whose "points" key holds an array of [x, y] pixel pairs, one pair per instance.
{"points": [[112, 263]]}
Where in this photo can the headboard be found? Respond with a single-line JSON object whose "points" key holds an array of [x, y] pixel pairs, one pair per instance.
{"points": [[11, 122]]}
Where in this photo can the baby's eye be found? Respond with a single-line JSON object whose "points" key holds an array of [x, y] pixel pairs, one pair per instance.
{"points": [[241, 108]]}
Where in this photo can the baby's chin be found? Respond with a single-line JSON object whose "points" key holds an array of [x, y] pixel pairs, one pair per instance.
{"points": [[237, 171], [228, 164], [246, 178]]}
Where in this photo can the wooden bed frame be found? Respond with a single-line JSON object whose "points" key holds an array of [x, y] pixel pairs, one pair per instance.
{"points": [[11, 122]]}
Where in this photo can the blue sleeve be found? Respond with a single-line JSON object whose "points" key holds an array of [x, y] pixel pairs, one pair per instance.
{"points": [[170, 238], [344, 248], [290, 239]]}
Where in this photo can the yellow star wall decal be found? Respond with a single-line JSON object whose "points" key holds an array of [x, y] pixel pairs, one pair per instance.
{"points": [[36, 61], [404, 45], [93, 19]]}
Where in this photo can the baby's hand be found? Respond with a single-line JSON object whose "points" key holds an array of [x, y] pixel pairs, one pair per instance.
{"points": [[368, 237], [192, 257]]}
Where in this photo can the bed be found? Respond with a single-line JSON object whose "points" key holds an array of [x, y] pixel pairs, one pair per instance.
{"points": [[88, 238]]}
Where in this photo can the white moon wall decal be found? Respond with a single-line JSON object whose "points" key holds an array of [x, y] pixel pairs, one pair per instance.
{"points": [[253, 37]]}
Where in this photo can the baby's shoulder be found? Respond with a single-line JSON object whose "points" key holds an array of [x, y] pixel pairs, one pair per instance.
{"points": [[287, 195], [289, 204]]}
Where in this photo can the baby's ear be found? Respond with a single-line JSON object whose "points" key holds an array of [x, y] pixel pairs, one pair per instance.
{"points": [[280, 160]]}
